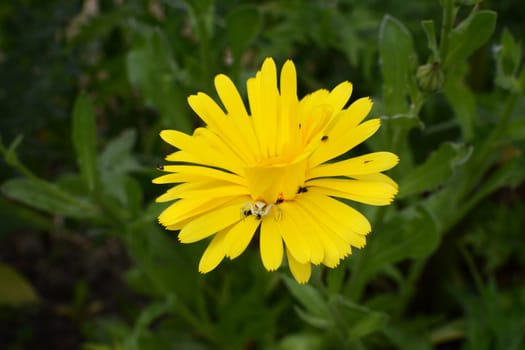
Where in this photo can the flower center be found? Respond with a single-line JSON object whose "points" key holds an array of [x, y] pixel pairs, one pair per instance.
{"points": [[271, 183]]}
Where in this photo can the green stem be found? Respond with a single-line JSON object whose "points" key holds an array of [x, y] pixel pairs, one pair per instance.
{"points": [[11, 158], [204, 46], [481, 162], [200, 326], [448, 19], [354, 288], [472, 267], [492, 141], [505, 117], [408, 289], [111, 214]]}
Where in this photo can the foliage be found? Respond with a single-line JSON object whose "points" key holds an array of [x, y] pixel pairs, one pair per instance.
{"points": [[442, 267]]}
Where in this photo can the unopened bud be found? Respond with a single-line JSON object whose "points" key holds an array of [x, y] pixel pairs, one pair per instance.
{"points": [[430, 77]]}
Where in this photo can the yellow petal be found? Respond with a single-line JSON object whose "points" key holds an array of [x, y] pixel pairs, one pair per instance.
{"points": [[335, 146], [185, 209], [269, 182], [206, 189], [323, 245], [374, 193], [199, 172], [178, 178], [339, 95], [313, 234], [262, 97], [271, 244], [349, 118], [342, 219], [300, 271], [211, 222], [216, 192], [289, 81], [291, 231], [269, 97], [176, 138], [213, 158], [314, 121], [310, 101], [365, 164], [257, 117], [288, 122], [216, 120], [377, 178], [213, 254], [239, 236], [173, 193], [210, 149], [230, 97], [234, 104]]}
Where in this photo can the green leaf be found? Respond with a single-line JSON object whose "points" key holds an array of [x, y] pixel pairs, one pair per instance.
{"points": [[200, 6], [165, 263], [242, 26], [17, 217], [321, 322], [153, 71], [142, 337], [403, 338], [463, 103], [418, 238], [303, 341], [10, 155], [84, 140], [154, 311], [516, 130], [115, 162], [364, 320], [508, 60], [48, 197], [308, 296], [470, 35], [93, 346], [436, 170], [413, 233], [137, 280], [335, 279], [397, 61], [15, 289], [116, 158], [430, 32], [510, 174]]}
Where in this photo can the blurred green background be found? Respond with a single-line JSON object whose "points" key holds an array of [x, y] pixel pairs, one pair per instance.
{"points": [[85, 87]]}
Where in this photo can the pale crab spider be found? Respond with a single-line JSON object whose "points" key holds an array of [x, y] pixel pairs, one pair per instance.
{"points": [[259, 209]]}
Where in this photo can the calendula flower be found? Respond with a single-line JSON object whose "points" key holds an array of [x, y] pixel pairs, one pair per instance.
{"points": [[269, 170]]}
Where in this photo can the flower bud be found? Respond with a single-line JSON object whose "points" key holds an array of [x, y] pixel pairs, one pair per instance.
{"points": [[430, 77]]}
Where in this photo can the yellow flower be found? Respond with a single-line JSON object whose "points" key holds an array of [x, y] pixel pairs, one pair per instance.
{"points": [[268, 170]]}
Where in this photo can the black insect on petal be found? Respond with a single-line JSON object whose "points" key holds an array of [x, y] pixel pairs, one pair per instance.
{"points": [[302, 189], [324, 138]]}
